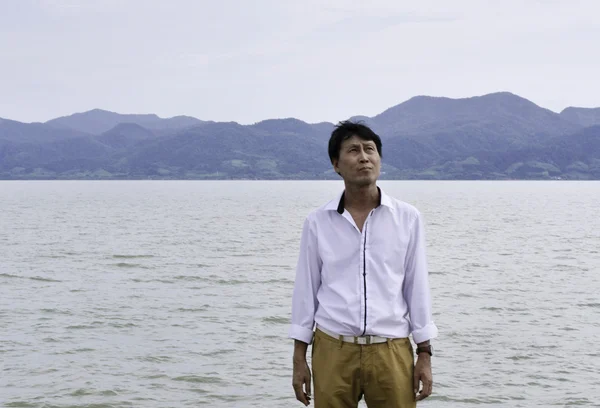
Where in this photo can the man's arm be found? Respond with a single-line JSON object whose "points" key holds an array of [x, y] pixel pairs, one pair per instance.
{"points": [[306, 285], [304, 306], [416, 285], [418, 298]]}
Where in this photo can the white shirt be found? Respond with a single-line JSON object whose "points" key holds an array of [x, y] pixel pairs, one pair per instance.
{"points": [[354, 283]]}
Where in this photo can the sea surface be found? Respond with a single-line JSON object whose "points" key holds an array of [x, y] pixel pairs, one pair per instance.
{"points": [[177, 293]]}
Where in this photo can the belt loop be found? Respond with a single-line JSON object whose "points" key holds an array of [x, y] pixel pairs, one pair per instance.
{"points": [[389, 342], [341, 340]]}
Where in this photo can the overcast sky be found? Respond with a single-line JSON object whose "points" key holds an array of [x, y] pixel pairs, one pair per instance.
{"points": [[316, 60]]}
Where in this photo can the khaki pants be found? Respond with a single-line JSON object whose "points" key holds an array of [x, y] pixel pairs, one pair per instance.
{"points": [[345, 372]]}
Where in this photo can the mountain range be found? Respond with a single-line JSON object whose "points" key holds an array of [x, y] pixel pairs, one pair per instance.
{"points": [[494, 136]]}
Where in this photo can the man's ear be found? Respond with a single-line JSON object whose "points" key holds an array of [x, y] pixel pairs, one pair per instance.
{"points": [[334, 162]]}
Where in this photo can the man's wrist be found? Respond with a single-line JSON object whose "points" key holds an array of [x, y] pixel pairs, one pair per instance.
{"points": [[424, 348], [300, 349]]}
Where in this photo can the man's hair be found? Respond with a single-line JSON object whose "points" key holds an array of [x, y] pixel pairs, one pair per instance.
{"points": [[345, 130]]}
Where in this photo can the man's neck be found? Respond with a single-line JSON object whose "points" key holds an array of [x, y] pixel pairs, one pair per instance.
{"points": [[363, 198]]}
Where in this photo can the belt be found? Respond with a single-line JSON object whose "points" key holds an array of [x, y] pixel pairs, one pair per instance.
{"points": [[355, 339]]}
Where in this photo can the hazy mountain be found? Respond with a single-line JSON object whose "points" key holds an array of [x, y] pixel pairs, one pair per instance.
{"points": [[290, 128], [125, 135], [582, 116], [99, 121], [63, 156], [581, 147], [569, 156], [18, 132], [496, 136], [499, 113], [268, 149], [462, 127]]}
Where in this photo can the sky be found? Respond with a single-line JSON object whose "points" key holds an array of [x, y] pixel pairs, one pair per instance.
{"points": [[315, 60]]}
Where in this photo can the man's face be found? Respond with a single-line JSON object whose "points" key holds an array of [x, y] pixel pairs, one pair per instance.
{"points": [[359, 162]]}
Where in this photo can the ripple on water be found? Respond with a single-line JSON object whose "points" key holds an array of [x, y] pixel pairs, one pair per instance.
{"points": [[130, 265], [276, 320], [136, 280], [81, 392], [212, 279], [42, 279], [155, 376], [246, 306], [122, 325], [271, 281], [34, 278], [589, 305], [108, 393], [202, 308], [199, 379], [156, 359], [217, 352], [518, 358], [227, 398], [80, 327], [232, 282], [192, 278], [86, 405], [198, 391], [575, 402], [81, 350], [24, 404], [119, 256], [57, 311]]}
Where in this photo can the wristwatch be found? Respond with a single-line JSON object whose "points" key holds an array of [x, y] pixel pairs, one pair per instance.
{"points": [[425, 349]]}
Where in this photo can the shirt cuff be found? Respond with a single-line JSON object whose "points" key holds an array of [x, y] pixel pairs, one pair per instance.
{"points": [[301, 333], [425, 333]]}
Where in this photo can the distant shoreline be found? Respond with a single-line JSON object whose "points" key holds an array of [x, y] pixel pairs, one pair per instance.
{"points": [[286, 179]]}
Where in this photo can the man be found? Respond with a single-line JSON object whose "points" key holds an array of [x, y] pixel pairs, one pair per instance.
{"points": [[361, 289]]}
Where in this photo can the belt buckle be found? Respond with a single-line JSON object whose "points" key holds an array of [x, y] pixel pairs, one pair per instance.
{"points": [[362, 339]]}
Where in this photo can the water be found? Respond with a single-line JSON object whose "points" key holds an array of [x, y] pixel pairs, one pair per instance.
{"points": [[164, 294]]}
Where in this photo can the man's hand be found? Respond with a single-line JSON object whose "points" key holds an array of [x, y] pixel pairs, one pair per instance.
{"points": [[302, 381], [423, 374]]}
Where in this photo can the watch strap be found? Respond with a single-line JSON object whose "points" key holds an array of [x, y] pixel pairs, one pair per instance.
{"points": [[425, 349]]}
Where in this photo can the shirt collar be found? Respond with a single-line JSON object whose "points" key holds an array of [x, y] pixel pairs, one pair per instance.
{"points": [[337, 204]]}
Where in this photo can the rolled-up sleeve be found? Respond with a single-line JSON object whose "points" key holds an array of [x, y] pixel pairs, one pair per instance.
{"points": [[306, 286], [416, 285]]}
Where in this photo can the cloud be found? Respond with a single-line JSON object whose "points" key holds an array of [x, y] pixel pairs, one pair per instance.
{"points": [[66, 7], [376, 23]]}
